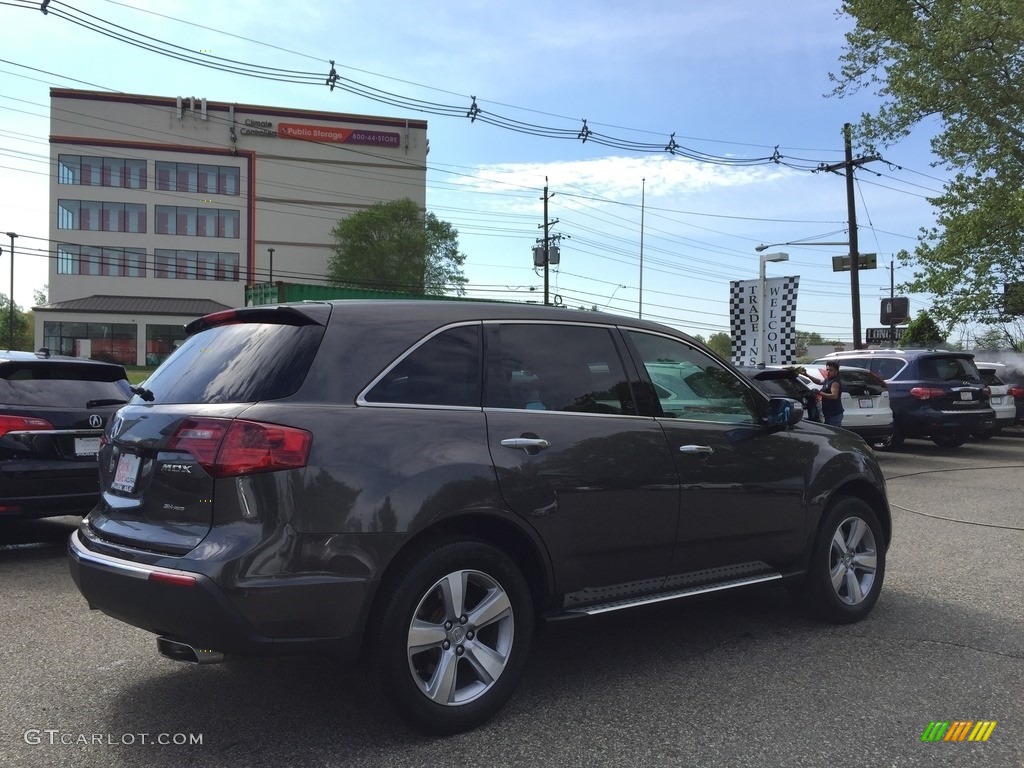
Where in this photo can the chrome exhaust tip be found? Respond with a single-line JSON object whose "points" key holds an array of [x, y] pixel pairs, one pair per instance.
{"points": [[178, 651]]}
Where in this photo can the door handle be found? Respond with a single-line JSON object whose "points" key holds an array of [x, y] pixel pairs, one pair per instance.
{"points": [[702, 450], [525, 442]]}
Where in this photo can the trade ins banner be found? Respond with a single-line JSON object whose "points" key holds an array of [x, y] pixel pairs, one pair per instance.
{"points": [[778, 315]]}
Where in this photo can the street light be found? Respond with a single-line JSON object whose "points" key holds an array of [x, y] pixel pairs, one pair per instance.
{"points": [[10, 299], [765, 258]]}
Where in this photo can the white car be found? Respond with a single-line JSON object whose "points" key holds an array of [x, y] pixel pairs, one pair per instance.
{"points": [[865, 399], [1002, 402]]}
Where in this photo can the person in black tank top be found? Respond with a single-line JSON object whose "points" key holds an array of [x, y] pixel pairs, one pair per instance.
{"points": [[831, 395]]}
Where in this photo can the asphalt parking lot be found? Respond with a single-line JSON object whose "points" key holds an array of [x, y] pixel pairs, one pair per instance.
{"points": [[740, 681]]}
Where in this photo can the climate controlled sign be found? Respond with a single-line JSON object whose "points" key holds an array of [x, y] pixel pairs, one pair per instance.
{"points": [[338, 135]]}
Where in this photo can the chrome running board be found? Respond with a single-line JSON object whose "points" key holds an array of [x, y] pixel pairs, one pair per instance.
{"points": [[675, 594]]}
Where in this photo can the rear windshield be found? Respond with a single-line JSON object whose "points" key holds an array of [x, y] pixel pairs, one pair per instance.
{"points": [[75, 385], [782, 387], [861, 382], [948, 369], [237, 363], [991, 379]]}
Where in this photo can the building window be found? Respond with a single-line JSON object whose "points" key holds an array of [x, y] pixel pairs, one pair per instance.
{"points": [[101, 171], [113, 342], [204, 222], [97, 216], [195, 265], [161, 341], [108, 262], [204, 179]]}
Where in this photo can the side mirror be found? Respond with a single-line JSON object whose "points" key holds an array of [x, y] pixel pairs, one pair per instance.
{"points": [[785, 411]]}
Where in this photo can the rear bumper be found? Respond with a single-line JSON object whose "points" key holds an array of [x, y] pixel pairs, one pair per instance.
{"points": [[872, 433], [928, 422], [192, 608]]}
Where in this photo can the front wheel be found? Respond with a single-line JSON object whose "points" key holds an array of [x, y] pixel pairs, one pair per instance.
{"points": [[949, 441], [848, 565], [452, 639]]}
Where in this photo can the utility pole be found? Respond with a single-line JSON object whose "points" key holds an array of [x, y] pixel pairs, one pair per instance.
{"points": [[892, 295], [271, 251], [10, 299], [851, 206], [545, 246]]}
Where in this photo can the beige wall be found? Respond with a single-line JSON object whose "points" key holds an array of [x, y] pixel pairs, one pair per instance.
{"points": [[299, 190]]}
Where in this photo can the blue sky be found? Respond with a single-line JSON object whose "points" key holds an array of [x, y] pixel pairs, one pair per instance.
{"points": [[731, 79]]}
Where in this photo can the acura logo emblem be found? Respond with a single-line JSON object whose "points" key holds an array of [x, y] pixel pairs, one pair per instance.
{"points": [[95, 421]]}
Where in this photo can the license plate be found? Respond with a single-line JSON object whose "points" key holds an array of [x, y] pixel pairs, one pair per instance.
{"points": [[87, 446], [126, 473], [997, 400], [866, 402], [965, 396]]}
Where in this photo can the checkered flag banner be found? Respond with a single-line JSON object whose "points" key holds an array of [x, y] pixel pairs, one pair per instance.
{"points": [[779, 316]]}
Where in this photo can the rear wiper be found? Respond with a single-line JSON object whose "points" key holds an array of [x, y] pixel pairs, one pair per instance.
{"points": [[142, 392], [100, 403]]}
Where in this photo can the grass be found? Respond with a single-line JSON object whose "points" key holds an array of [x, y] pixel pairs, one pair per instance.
{"points": [[139, 373]]}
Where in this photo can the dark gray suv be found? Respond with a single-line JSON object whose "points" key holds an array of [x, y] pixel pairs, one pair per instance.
{"points": [[414, 485]]}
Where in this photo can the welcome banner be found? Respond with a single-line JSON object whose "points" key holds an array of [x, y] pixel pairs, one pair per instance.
{"points": [[778, 316]]}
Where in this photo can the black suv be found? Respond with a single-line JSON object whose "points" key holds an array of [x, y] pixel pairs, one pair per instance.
{"points": [[933, 394], [52, 414], [416, 484]]}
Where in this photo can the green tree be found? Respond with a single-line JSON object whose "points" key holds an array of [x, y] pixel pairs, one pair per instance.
{"points": [[721, 344], [922, 331], [24, 334], [392, 247], [959, 66]]}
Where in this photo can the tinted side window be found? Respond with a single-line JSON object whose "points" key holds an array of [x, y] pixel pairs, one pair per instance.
{"points": [[886, 367], [443, 370], [783, 387], [555, 367], [691, 385]]}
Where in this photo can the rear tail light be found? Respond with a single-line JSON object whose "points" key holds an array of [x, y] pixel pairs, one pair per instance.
{"points": [[926, 393], [226, 448], [1016, 392], [22, 424]]}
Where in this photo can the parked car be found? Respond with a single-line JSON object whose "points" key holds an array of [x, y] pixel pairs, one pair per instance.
{"points": [[1013, 377], [414, 485], [52, 414], [1001, 400], [865, 398], [787, 382], [933, 393]]}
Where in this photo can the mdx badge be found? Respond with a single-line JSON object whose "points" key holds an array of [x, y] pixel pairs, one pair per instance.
{"points": [[178, 469]]}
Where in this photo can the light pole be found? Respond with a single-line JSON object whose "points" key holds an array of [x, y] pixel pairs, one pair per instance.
{"points": [[761, 314], [271, 252], [10, 299]]}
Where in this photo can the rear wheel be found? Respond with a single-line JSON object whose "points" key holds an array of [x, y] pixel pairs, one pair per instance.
{"points": [[451, 641], [897, 438], [848, 565], [949, 441]]}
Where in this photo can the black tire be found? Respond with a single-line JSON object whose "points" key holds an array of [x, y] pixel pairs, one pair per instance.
{"points": [[896, 441], [483, 648], [949, 441], [848, 565]]}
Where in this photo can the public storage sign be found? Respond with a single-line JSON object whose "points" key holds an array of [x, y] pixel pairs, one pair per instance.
{"points": [[305, 132]]}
